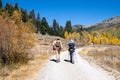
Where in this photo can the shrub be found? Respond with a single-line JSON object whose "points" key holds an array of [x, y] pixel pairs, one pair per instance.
{"points": [[15, 40]]}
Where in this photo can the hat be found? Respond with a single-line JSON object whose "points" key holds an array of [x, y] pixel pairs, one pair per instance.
{"points": [[71, 41]]}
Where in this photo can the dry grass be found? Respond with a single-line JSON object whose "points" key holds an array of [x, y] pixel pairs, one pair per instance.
{"points": [[107, 57], [41, 52], [15, 40], [23, 72], [47, 41]]}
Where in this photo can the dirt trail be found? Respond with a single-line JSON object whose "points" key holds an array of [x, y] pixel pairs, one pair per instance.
{"points": [[64, 70]]}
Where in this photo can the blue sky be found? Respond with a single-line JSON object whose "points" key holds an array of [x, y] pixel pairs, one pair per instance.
{"points": [[85, 12]]}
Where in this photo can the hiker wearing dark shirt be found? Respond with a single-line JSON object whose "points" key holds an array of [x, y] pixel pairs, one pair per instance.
{"points": [[71, 50]]}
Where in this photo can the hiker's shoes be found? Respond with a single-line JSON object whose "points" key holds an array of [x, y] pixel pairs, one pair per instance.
{"points": [[73, 62], [57, 61]]}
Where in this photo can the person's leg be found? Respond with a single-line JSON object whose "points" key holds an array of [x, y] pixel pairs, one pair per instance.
{"points": [[59, 55], [56, 55], [72, 57]]}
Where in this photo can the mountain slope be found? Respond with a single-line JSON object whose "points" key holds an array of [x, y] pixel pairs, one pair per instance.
{"points": [[112, 22]]}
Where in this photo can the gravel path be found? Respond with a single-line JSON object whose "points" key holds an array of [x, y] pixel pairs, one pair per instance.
{"points": [[64, 70]]}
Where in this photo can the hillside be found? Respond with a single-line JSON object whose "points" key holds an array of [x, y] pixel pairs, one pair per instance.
{"points": [[76, 27], [111, 22], [109, 29]]}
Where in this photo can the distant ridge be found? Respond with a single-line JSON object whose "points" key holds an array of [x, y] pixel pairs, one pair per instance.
{"points": [[111, 22]]}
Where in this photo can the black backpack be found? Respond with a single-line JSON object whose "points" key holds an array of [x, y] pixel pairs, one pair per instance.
{"points": [[71, 45]]}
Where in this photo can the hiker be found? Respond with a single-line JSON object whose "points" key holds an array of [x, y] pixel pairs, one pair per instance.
{"points": [[57, 46], [71, 50]]}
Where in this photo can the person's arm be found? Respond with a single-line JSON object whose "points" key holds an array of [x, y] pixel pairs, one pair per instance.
{"points": [[74, 45], [54, 42], [61, 44]]}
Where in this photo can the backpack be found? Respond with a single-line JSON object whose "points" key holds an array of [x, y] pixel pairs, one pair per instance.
{"points": [[71, 45], [57, 44]]}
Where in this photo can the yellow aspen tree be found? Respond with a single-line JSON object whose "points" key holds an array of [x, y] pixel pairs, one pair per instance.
{"points": [[89, 38], [94, 40], [74, 35], [119, 42], [65, 34], [115, 40], [70, 36]]}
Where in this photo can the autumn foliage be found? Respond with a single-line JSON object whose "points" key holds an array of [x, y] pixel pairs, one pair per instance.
{"points": [[100, 38], [103, 38], [15, 39], [73, 35]]}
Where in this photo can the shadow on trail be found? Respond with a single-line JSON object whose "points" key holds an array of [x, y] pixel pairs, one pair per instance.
{"points": [[66, 60], [53, 60]]}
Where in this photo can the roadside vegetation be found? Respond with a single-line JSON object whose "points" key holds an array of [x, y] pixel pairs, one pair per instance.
{"points": [[21, 54], [94, 37], [107, 56]]}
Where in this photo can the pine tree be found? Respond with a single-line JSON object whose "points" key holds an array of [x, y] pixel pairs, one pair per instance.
{"points": [[32, 16], [16, 6], [55, 27], [0, 4], [24, 15], [38, 17], [44, 28], [61, 31], [68, 26], [57, 30], [38, 23], [51, 31], [9, 8]]}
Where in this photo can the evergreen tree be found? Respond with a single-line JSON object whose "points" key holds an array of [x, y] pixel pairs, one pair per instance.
{"points": [[0, 4], [68, 26], [38, 17], [32, 16], [16, 6], [55, 27], [9, 8], [44, 28], [61, 31], [24, 15], [38, 26], [38, 23], [58, 30], [51, 31]]}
